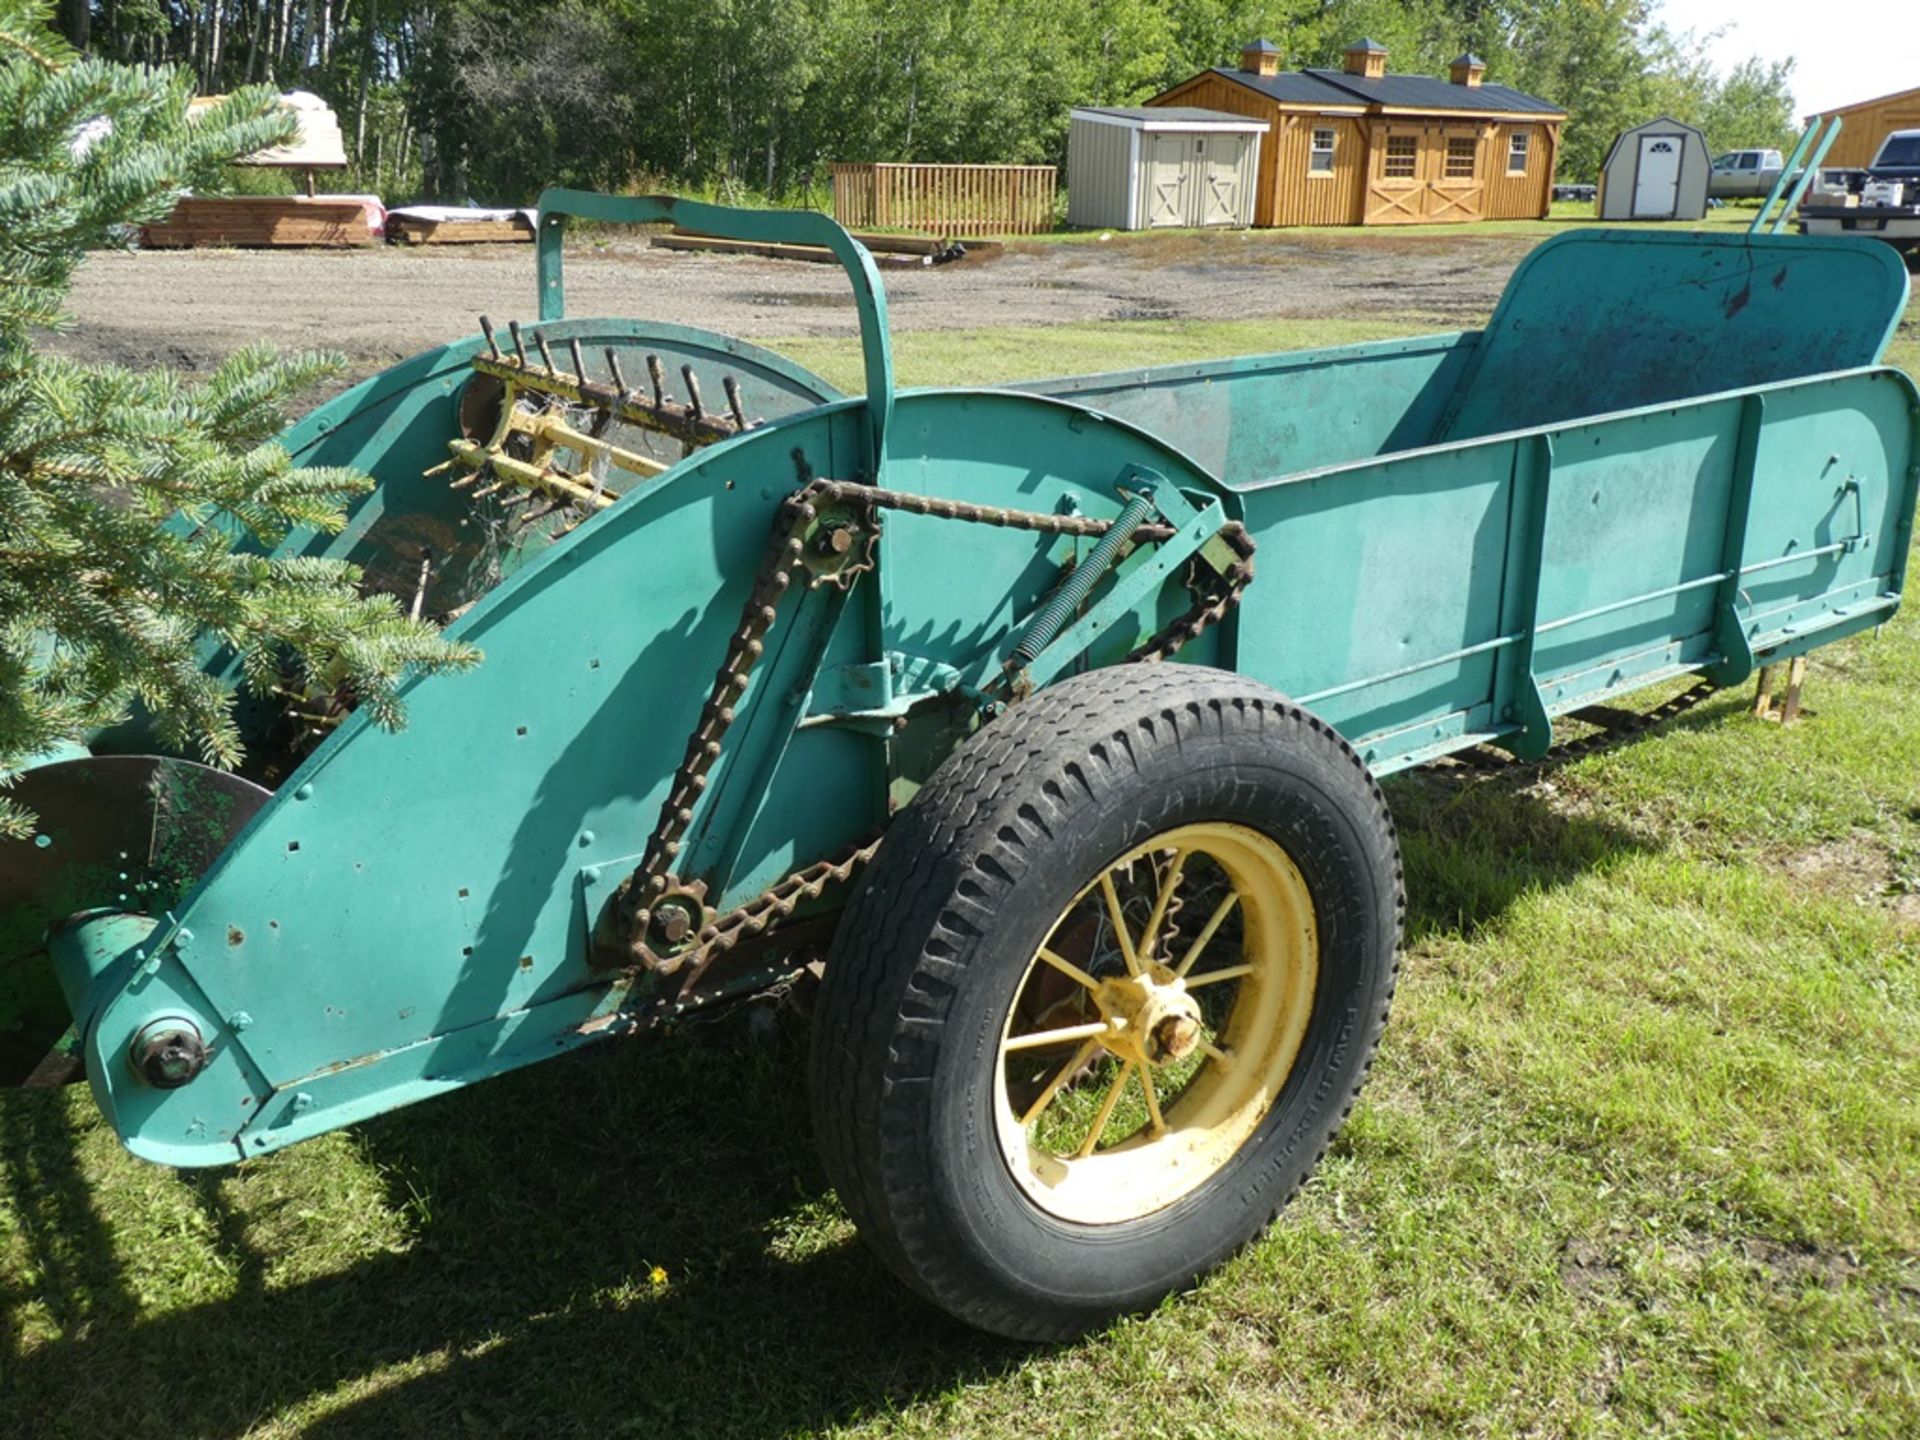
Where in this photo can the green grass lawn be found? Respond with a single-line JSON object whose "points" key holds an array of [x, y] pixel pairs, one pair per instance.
{"points": [[989, 357], [1641, 1156]]}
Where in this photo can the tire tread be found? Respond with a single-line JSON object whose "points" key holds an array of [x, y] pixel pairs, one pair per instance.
{"points": [[883, 1001]]}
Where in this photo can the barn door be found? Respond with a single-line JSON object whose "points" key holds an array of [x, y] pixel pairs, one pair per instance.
{"points": [[1457, 175], [1220, 194], [1166, 176], [1397, 179]]}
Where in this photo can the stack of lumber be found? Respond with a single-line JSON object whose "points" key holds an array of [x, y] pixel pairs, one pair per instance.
{"points": [[268, 220], [317, 143], [888, 250], [458, 225]]}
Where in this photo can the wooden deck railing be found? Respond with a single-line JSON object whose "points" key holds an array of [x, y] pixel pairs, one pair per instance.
{"points": [[947, 200]]}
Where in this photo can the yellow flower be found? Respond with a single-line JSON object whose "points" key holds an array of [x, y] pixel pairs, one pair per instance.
{"points": [[657, 1275]]}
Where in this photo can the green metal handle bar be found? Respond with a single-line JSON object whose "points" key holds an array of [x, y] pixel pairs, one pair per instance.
{"points": [[1787, 170], [1806, 175], [780, 227], [1793, 167]]}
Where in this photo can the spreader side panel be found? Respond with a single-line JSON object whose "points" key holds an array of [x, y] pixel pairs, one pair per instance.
{"points": [[1468, 593]]}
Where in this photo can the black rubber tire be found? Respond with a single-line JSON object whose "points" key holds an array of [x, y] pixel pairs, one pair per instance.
{"points": [[970, 879]]}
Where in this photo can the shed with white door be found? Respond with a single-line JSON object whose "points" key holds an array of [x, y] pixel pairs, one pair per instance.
{"points": [[1655, 171], [1145, 168]]}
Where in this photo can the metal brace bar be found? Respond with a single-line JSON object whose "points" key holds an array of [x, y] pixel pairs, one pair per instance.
{"points": [[1787, 172], [1806, 175], [1192, 529], [1077, 584], [1525, 706], [1729, 632]]}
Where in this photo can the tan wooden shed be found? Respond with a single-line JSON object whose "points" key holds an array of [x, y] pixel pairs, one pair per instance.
{"points": [[1867, 124], [1362, 146], [1150, 167]]}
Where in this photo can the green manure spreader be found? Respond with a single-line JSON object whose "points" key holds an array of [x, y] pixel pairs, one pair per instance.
{"points": [[1052, 716]]}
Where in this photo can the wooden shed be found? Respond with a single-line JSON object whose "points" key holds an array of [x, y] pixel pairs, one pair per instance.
{"points": [[1655, 171], [1146, 167], [1360, 146], [1867, 124]]}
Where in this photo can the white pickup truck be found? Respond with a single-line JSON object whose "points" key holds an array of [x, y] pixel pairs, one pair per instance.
{"points": [[1744, 174], [1885, 204]]}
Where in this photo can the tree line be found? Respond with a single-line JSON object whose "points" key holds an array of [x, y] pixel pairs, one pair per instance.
{"points": [[494, 99]]}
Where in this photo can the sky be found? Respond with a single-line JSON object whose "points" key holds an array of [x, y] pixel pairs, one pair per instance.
{"points": [[1845, 50]]}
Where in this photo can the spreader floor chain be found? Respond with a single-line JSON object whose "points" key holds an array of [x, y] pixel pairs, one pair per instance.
{"points": [[521, 418], [829, 532]]}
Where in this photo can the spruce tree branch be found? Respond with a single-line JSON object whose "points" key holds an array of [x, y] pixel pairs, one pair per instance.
{"points": [[45, 61]]}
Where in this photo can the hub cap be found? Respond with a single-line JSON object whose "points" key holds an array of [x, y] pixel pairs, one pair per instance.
{"points": [[1157, 1024]]}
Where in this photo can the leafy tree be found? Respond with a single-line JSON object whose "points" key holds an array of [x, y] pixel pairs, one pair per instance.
{"points": [[495, 98], [136, 509], [1587, 56], [1752, 107]]}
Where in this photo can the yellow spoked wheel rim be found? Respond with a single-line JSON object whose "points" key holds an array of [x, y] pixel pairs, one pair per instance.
{"points": [[1157, 1024]]}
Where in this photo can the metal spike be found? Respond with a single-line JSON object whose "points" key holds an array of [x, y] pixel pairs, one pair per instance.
{"points": [[693, 391], [519, 350], [579, 361], [546, 355], [732, 387], [420, 588], [613, 369], [486, 329], [658, 374]]}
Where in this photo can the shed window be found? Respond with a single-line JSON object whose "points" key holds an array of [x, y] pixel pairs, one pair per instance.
{"points": [[1517, 145], [1320, 157], [1402, 158], [1461, 150]]}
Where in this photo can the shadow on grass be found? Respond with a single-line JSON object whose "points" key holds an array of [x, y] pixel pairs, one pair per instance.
{"points": [[1475, 841], [540, 1204]]}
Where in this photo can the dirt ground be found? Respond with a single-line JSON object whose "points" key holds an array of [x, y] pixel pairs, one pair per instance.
{"points": [[189, 309]]}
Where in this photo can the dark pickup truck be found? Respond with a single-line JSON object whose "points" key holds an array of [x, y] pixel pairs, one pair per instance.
{"points": [[1882, 201]]}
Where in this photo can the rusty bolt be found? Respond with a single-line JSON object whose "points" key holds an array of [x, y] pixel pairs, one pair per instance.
{"points": [[169, 1053], [836, 540]]}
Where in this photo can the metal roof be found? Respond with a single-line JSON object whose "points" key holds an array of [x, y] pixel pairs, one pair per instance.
{"points": [[1429, 92], [1364, 46], [1291, 87]]}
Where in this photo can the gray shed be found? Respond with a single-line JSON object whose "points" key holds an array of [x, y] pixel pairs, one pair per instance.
{"points": [[1655, 171], [1149, 166]]}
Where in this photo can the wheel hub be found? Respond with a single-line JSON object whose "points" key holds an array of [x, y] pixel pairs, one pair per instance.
{"points": [[1151, 1019]]}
